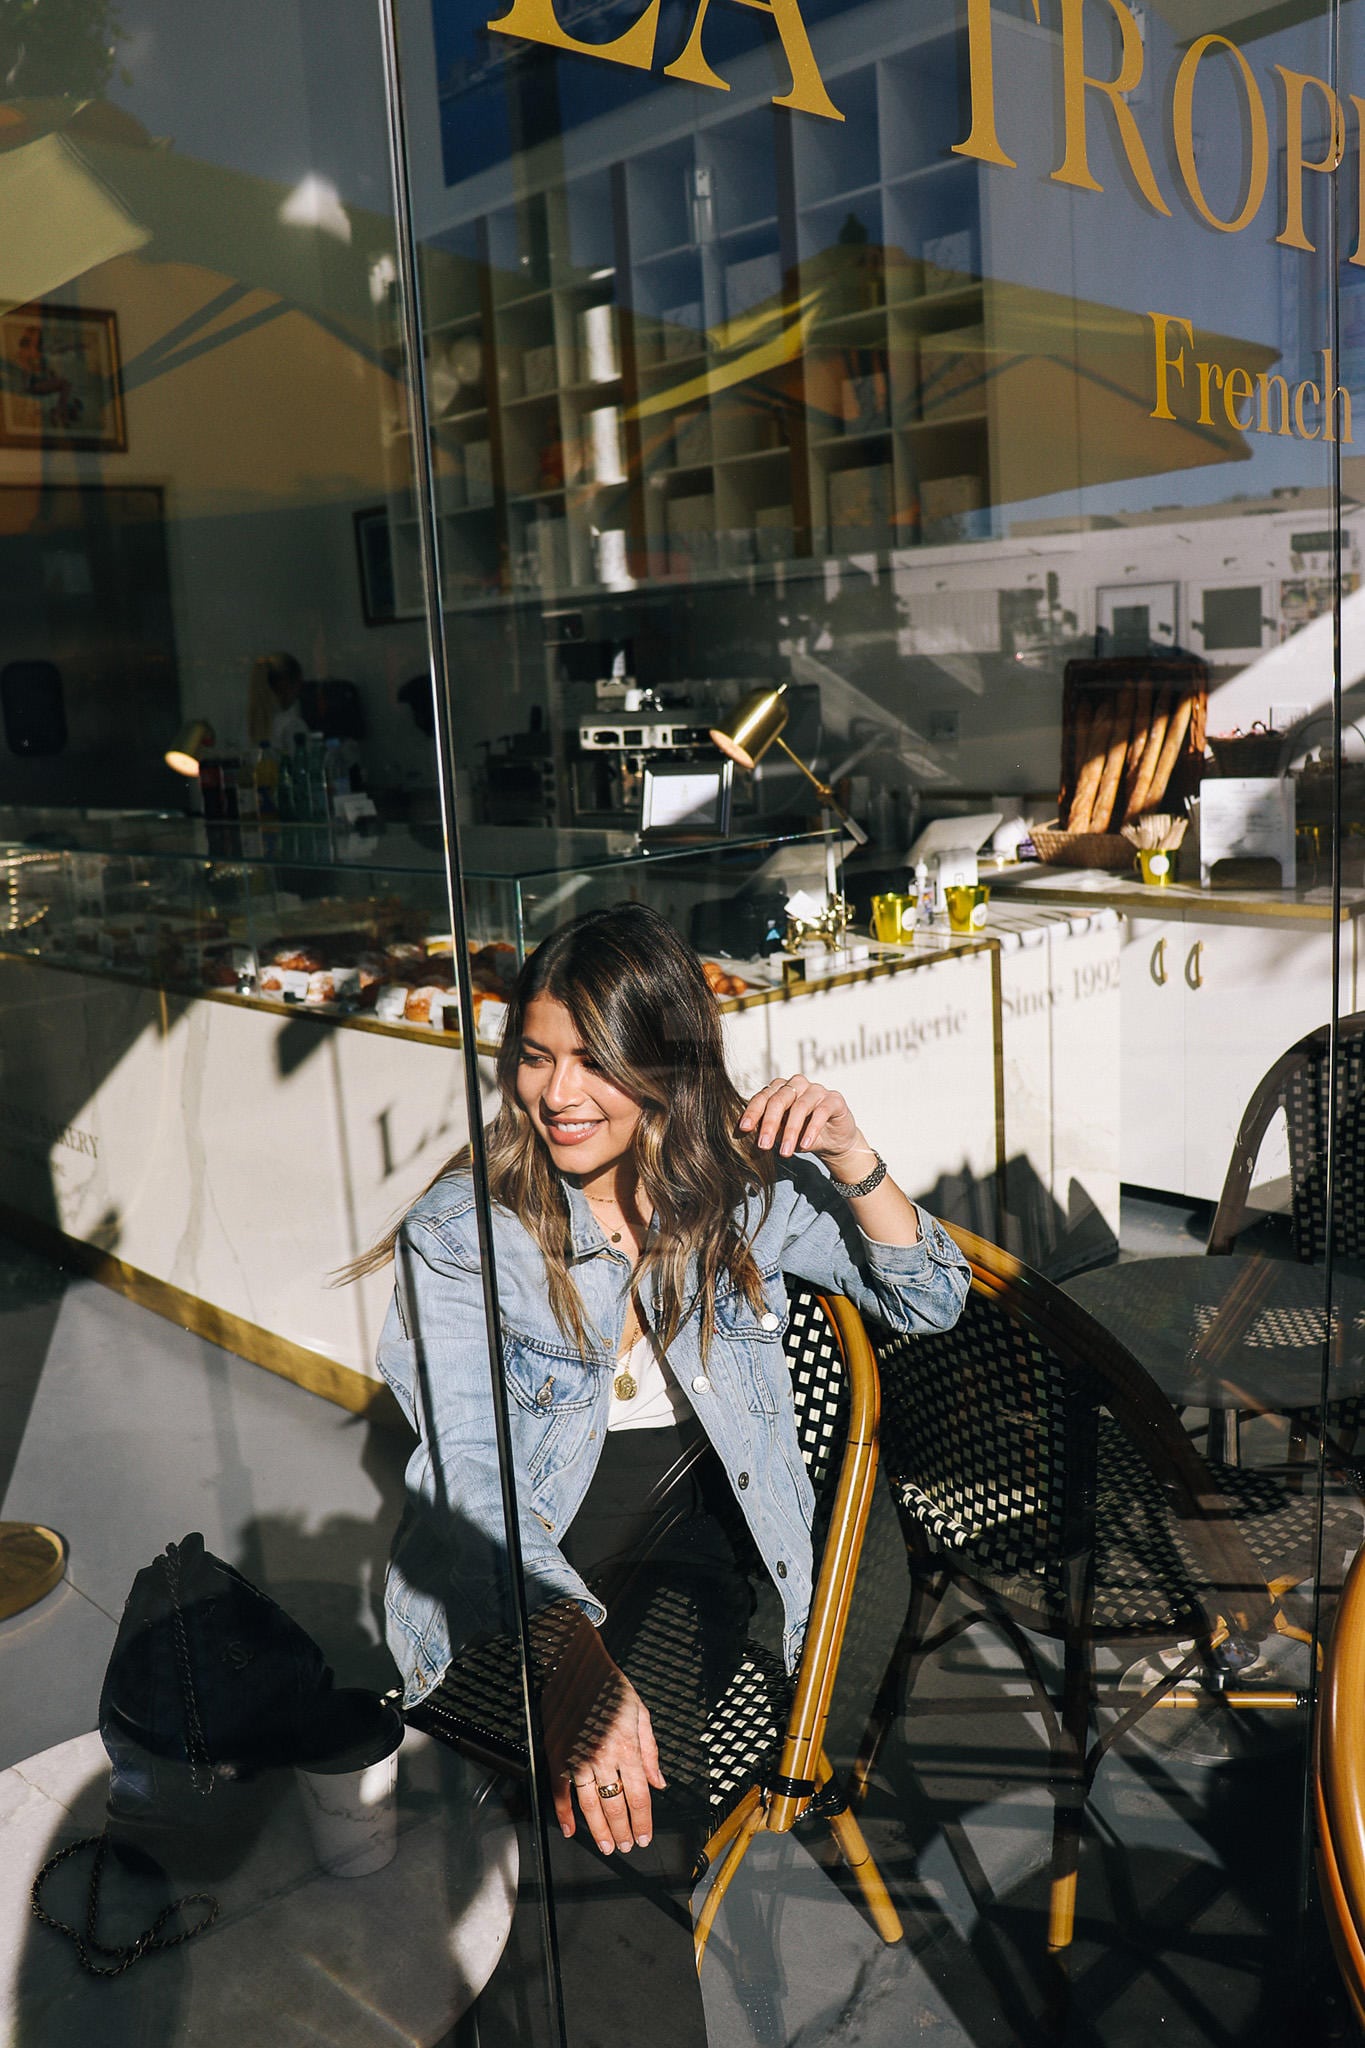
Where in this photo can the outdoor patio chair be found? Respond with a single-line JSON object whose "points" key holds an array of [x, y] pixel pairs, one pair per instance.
{"points": [[764, 1764], [1038, 1469]]}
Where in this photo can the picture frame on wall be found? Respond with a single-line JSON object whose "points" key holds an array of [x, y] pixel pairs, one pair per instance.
{"points": [[61, 379], [374, 555]]}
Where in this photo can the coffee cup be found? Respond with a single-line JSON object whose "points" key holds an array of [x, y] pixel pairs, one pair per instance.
{"points": [[350, 1801]]}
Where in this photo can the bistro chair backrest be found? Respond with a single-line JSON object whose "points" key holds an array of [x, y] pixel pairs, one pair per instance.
{"points": [[819, 1385], [991, 1438], [1299, 1084], [479, 1705], [989, 1429]]}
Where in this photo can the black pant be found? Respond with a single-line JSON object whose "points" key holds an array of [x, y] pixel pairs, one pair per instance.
{"points": [[660, 1540]]}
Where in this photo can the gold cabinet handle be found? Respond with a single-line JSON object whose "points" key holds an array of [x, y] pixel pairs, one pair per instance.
{"points": [[1194, 966], [1158, 969]]}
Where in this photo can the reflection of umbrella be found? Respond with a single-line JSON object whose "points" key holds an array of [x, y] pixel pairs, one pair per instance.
{"points": [[57, 219], [1076, 383], [251, 355], [1067, 385]]}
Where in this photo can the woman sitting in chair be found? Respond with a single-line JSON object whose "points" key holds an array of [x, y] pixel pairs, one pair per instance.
{"points": [[644, 1218]]}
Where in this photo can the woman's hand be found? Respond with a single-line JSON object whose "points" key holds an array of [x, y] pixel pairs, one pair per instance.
{"points": [[598, 1732], [800, 1115]]}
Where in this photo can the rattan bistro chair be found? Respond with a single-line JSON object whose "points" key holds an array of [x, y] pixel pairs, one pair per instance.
{"points": [[1299, 1086], [1037, 1468], [763, 1765], [1339, 1787]]}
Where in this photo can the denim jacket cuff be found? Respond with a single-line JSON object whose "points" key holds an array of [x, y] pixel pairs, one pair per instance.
{"points": [[909, 1261]]}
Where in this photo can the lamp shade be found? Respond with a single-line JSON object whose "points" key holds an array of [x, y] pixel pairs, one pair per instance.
{"points": [[194, 739], [752, 726]]}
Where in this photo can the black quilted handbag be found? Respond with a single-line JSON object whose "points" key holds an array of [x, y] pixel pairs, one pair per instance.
{"points": [[210, 1687]]}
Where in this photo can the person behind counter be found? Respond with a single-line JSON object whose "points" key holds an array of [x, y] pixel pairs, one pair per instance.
{"points": [[644, 1215], [272, 714]]}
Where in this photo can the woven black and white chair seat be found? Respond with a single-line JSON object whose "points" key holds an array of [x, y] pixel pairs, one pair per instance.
{"points": [[713, 1758], [1146, 1574], [714, 1755]]}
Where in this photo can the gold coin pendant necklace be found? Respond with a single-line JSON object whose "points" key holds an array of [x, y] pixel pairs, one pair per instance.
{"points": [[625, 1386]]}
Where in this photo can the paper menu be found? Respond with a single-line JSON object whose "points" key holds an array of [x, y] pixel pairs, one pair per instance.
{"points": [[1247, 817]]}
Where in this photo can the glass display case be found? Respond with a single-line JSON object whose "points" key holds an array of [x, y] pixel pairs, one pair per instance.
{"points": [[357, 924]]}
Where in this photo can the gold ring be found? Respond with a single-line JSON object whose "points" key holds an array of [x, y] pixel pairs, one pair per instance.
{"points": [[611, 1791]]}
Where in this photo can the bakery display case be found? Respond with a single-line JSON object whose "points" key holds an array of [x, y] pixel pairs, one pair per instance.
{"points": [[356, 925]]}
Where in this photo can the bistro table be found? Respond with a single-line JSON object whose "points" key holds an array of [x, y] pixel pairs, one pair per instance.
{"points": [[1234, 1334]]}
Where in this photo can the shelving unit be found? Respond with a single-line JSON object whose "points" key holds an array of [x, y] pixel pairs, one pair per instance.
{"points": [[764, 342]]}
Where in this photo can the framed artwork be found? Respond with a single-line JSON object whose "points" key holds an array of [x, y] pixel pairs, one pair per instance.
{"points": [[374, 553], [60, 379]]}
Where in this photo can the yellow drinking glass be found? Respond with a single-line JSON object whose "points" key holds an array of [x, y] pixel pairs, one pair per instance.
{"points": [[966, 906], [893, 919], [1156, 868]]}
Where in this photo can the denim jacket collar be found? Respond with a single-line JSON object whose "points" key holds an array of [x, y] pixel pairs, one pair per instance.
{"points": [[585, 1232]]}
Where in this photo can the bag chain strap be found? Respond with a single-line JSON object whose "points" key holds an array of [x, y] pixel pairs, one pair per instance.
{"points": [[89, 1945], [196, 1749], [202, 1779]]}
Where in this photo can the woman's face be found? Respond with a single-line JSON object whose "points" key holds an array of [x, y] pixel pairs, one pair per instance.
{"points": [[587, 1123]]}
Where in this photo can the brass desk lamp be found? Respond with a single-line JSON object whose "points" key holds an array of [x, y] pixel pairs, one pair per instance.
{"points": [[754, 726]]}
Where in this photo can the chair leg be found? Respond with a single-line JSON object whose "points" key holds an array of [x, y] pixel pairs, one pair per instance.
{"points": [[740, 1829], [921, 1605], [1069, 1792], [852, 1846]]}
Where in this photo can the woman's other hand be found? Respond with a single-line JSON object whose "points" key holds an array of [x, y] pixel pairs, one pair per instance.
{"points": [[798, 1115], [598, 1733]]}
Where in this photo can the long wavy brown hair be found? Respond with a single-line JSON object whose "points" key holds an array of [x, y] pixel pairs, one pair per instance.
{"points": [[646, 1017]]}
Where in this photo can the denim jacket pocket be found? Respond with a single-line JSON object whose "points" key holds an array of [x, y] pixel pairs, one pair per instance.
{"points": [[753, 1341], [547, 1379]]}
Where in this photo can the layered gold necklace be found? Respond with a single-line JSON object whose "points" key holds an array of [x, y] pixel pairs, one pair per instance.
{"points": [[624, 1385]]}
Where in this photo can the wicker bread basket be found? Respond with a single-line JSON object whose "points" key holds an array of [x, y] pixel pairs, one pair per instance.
{"points": [[1081, 849]]}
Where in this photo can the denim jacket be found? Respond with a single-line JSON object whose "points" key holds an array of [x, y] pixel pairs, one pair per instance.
{"points": [[448, 1581]]}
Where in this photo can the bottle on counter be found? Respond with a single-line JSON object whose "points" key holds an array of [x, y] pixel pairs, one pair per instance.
{"points": [[925, 899], [336, 775], [211, 786], [286, 808], [266, 777], [315, 777], [248, 805], [231, 767]]}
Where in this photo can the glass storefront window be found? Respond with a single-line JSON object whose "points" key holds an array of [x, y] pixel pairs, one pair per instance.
{"points": [[854, 513]]}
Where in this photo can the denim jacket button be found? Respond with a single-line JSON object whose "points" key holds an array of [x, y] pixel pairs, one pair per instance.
{"points": [[742, 1481], [780, 1569], [701, 1385], [769, 1321]]}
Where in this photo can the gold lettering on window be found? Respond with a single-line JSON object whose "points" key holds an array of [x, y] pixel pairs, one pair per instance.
{"points": [[1076, 82], [1182, 112], [1296, 84], [537, 21], [982, 140], [1165, 362]]}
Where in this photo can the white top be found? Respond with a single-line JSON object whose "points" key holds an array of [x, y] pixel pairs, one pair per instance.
{"points": [[658, 1399]]}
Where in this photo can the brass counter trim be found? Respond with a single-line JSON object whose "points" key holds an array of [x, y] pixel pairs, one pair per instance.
{"points": [[867, 970], [316, 1374]]}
